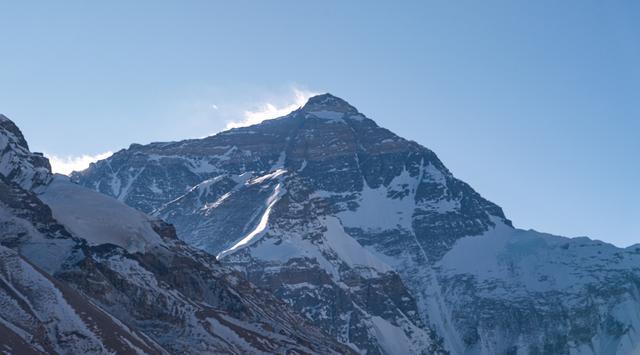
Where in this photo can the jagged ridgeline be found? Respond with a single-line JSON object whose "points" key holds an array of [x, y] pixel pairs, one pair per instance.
{"points": [[82, 273], [370, 237]]}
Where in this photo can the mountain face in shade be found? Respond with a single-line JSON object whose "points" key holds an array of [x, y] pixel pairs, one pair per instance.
{"points": [[371, 238], [17, 163], [82, 273]]}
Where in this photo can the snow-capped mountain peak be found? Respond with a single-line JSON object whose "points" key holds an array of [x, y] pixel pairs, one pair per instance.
{"points": [[328, 102], [373, 239]]}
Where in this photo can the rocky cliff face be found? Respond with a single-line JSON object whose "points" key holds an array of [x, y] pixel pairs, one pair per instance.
{"points": [[17, 163], [371, 237], [83, 273]]}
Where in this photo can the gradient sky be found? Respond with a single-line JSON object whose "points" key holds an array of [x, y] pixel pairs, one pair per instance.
{"points": [[536, 105]]}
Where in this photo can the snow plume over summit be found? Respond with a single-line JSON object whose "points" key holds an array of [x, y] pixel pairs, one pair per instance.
{"points": [[67, 164], [270, 109]]}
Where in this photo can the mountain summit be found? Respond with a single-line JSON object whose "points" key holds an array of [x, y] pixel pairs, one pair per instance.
{"points": [[371, 237], [330, 103]]}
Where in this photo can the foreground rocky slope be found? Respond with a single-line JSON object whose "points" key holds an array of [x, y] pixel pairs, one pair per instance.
{"points": [[83, 273], [373, 239]]}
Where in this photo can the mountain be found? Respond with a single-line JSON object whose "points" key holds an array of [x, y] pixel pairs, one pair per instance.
{"points": [[82, 273], [373, 239]]}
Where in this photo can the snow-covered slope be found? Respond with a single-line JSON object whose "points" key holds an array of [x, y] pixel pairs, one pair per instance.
{"points": [[80, 272], [41, 315], [583, 289], [97, 218], [373, 239]]}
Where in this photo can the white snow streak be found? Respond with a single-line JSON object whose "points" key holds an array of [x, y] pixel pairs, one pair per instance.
{"points": [[269, 110], [260, 228]]}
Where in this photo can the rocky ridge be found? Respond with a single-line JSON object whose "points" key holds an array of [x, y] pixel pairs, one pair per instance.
{"points": [[83, 273]]}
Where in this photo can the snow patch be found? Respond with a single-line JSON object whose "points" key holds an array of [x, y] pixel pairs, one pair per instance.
{"points": [[335, 247], [260, 228], [392, 339], [397, 211], [266, 177], [348, 249], [98, 218], [330, 116]]}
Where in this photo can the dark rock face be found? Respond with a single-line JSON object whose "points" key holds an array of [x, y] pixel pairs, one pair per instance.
{"points": [[57, 318], [17, 163], [63, 292]]}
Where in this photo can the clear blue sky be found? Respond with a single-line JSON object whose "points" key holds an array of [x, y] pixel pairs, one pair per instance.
{"points": [[536, 105]]}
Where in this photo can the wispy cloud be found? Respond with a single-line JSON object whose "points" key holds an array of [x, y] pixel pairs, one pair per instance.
{"points": [[68, 164], [270, 110]]}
